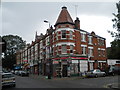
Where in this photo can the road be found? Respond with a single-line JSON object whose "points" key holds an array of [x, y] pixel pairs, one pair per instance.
{"points": [[100, 82]]}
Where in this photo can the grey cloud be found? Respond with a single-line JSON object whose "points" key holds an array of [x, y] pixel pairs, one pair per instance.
{"points": [[24, 17]]}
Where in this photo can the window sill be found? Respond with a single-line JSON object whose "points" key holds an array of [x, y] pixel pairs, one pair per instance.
{"points": [[83, 54], [90, 43], [83, 41], [63, 53]]}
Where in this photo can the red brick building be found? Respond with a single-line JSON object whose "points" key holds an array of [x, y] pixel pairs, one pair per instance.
{"points": [[66, 50]]}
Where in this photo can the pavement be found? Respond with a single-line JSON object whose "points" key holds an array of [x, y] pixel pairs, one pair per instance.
{"points": [[113, 85]]}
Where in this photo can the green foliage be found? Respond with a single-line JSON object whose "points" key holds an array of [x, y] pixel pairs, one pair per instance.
{"points": [[116, 22], [114, 51], [13, 43]]}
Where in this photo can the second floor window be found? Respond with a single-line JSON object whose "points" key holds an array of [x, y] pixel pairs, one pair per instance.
{"points": [[83, 37], [90, 40], [63, 33]]}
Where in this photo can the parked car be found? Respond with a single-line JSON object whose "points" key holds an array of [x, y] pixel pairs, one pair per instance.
{"points": [[23, 73], [8, 79], [113, 70], [110, 71], [94, 73], [12, 71], [16, 72]]}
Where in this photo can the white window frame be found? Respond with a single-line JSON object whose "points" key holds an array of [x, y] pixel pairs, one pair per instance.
{"points": [[84, 51], [71, 48], [90, 51], [71, 34], [83, 37], [90, 41], [62, 34], [84, 47], [64, 49]]}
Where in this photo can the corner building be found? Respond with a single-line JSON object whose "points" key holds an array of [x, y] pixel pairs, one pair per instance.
{"points": [[75, 50], [66, 50]]}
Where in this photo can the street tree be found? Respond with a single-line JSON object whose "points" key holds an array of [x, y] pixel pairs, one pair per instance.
{"points": [[116, 21], [14, 43], [114, 51]]}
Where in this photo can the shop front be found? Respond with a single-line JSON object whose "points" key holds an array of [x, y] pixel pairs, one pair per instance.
{"points": [[69, 66]]}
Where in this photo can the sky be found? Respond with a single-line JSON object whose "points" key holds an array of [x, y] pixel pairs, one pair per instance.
{"points": [[26, 17]]}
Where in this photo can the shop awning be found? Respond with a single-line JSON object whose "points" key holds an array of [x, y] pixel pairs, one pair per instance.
{"points": [[27, 64], [17, 67]]}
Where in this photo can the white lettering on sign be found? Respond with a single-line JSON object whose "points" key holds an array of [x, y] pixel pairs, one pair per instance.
{"points": [[74, 61]]}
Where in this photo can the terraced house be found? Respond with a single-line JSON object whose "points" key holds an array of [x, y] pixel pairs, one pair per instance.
{"points": [[65, 50]]}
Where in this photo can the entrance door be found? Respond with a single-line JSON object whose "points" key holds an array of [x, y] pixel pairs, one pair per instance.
{"points": [[64, 71]]}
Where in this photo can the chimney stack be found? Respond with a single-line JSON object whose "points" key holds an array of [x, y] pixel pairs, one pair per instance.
{"points": [[77, 23]]}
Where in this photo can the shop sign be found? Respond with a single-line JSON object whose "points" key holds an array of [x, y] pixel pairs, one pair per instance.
{"points": [[74, 61], [64, 62], [55, 62], [82, 58]]}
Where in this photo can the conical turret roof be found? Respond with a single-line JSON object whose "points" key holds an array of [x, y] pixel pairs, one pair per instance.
{"points": [[64, 17]]}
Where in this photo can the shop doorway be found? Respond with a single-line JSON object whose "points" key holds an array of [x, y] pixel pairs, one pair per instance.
{"points": [[64, 71]]}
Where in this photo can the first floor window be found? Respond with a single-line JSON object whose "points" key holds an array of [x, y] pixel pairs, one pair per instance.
{"points": [[71, 35], [99, 53], [90, 52], [83, 50], [64, 49], [71, 49]]}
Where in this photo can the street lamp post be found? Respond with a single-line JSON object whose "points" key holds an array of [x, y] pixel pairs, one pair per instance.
{"points": [[47, 22], [38, 66], [49, 73]]}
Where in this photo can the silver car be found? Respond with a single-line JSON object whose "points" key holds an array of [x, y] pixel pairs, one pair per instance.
{"points": [[94, 73], [8, 79]]}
